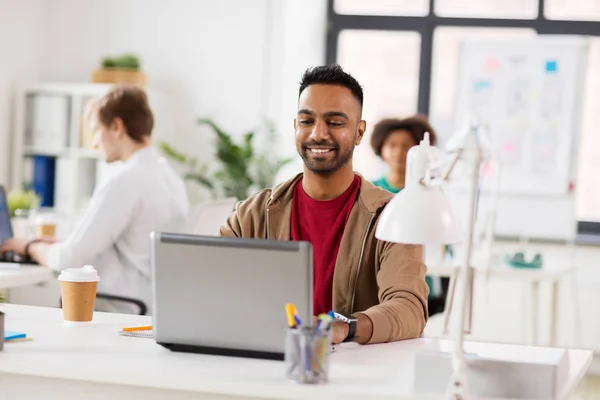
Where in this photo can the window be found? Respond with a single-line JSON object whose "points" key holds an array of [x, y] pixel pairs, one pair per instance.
{"points": [[382, 7], [386, 63], [406, 55], [518, 9], [585, 10], [588, 181], [446, 43]]}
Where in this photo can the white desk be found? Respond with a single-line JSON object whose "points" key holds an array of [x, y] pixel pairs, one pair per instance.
{"points": [[559, 262], [23, 275], [95, 362]]}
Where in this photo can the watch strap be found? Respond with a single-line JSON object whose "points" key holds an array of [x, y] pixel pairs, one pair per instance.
{"points": [[352, 323]]}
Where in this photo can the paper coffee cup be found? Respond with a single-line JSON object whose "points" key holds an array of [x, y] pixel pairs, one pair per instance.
{"points": [[45, 230], [78, 291]]}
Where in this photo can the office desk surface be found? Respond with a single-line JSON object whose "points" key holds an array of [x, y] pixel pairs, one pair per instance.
{"points": [[98, 362], [559, 260], [12, 275]]}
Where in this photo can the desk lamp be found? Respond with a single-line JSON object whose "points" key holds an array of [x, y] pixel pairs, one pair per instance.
{"points": [[422, 214]]}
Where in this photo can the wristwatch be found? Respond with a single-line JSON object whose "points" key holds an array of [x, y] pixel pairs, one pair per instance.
{"points": [[351, 321]]}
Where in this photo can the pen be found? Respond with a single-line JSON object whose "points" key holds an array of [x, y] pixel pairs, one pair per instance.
{"points": [[19, 340], [290, 311], [320, 320], [138, 328], [324, 322]]}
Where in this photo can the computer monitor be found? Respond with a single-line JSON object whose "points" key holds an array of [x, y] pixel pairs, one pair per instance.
{"points": [[227, 296], [6, 231]]}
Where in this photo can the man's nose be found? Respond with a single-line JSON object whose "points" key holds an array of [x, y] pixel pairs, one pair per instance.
{"points": [[319, 132]]}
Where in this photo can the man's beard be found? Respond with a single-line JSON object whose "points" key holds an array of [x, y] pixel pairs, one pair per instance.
{"points": [[325, 167]]}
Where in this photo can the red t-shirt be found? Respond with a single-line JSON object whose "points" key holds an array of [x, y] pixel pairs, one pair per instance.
{"points": [[322, 224]]}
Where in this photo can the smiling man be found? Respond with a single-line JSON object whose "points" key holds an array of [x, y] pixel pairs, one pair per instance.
{"points": [[377, 288]]}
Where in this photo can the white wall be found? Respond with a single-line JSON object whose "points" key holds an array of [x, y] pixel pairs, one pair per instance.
{"points": [[21, 25], [236, 61]]}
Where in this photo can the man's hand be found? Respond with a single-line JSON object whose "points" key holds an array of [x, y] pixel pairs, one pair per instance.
{"points": [[15, 245], [339, 332]]}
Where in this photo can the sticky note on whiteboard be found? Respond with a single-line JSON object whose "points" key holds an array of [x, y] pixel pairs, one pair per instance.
{"points": [[492, 64], [551, 66]]}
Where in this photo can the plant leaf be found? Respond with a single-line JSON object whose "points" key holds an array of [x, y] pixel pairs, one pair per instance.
{"points": [[201, 179], [172, 153]]}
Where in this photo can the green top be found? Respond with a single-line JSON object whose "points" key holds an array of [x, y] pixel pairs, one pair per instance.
{"points": [[383, 183]]}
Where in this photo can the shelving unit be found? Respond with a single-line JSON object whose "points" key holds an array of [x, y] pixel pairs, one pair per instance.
{"points": [[48, 121]]}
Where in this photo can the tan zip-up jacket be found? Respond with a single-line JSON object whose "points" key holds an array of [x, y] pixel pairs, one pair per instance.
{"points": [[383, 280]]}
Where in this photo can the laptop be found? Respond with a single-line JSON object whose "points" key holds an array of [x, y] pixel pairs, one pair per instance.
{"points": [[227, 296], [6, 233]]}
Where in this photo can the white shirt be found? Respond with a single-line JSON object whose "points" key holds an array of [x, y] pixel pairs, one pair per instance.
{"points": [[145, 195]]}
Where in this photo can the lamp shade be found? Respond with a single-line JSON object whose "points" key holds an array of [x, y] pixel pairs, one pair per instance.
{"points": [[419, 214]]}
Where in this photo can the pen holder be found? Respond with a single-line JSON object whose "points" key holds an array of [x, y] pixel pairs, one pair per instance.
{"points": [[307, 355]]}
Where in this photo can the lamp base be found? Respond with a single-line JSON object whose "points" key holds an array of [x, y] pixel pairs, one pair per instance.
{"points": [[514, 373]]}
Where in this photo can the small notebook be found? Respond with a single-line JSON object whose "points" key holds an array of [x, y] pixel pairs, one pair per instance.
{"points": [[9, 335], [142, 334]]}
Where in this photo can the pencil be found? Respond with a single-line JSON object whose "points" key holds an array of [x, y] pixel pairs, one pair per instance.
{"points": [[19, 340], [138, 328]]}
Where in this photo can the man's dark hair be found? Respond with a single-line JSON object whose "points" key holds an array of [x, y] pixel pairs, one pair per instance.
{"points": [[416, 126], [130, 104], [331, 74]]}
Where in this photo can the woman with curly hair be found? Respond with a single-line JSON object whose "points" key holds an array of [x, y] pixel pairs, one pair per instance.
{"points": [[391, 139]]}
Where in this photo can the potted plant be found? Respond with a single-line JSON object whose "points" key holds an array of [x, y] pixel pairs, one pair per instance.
{"points": [[242, 166], [20, 204], [21, 200], [121, 69]]}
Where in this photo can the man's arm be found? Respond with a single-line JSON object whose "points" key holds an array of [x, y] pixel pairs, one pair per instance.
{"points": [[232, 226], [39, 252], [402, 312], [36, 249], [364, 330], [248, 217], [108, 215]]}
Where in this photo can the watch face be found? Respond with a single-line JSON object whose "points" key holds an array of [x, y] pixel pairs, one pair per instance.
{"points": [[342, 317]]}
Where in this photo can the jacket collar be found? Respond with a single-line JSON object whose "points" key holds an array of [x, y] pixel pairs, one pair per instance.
{"points": [[370, 197]]}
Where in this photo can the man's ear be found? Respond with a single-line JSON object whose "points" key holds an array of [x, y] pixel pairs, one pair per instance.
{"points": [[362, 127], [295, 124], [118, 126]]}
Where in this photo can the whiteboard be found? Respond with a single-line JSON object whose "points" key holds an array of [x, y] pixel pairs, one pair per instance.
{"points": [[527, 94]]}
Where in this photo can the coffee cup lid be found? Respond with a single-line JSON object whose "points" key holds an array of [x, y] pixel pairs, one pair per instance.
{"points": [[87, 273]]}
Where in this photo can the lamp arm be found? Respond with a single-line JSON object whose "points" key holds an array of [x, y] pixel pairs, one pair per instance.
{"points": [[457, 157], [431, 182], [457, 382]]}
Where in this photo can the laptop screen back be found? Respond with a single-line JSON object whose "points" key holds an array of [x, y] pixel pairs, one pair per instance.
{"points": [[5, 227], [228, 293]]}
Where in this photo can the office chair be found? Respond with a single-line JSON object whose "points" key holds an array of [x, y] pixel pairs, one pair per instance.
{"points": [[205, 218], [437, 304], [143, 309]]}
